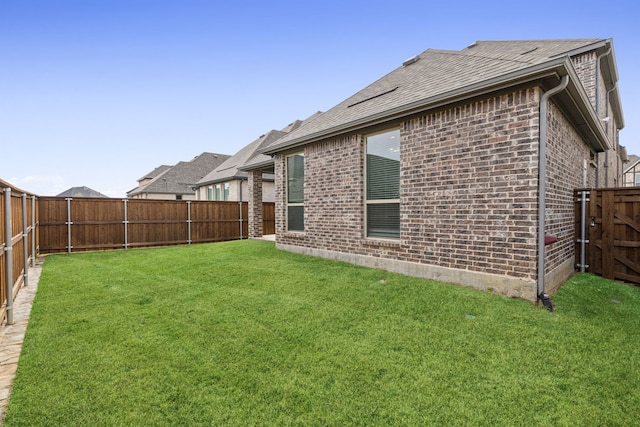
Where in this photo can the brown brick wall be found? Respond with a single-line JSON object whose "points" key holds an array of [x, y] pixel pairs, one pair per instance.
{"points": [[585, 66], [566, 153], [609, 167], [255, 187], [468, 186], [468, 190]]}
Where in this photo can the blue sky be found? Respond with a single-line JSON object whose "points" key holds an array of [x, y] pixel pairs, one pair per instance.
{"points": [[100, 92]]}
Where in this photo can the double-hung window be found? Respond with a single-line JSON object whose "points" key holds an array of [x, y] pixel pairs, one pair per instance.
{"points": [[383, 185], [295, 192]]}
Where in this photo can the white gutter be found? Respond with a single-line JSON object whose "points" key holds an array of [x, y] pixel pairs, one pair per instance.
{"points": [[542, 185]]}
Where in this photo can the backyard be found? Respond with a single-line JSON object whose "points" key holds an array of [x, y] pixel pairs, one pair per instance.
{"points": [[240, 333]]}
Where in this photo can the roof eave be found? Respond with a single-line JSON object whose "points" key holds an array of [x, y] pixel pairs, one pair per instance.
{"points": [[227, 178], [265, 164]]}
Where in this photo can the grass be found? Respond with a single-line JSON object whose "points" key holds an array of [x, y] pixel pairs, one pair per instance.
{"points": [[242, 334]]}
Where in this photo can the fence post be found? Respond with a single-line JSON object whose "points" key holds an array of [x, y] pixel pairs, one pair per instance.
{"points": [[25, 239], [33, 230], [583, 230], [69, 223], [8, 254], [126, 225], [189, 222], [240, 215]]}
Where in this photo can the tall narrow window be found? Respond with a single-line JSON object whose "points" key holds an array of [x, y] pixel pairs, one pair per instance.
{"points": [[226, 191], [383, 185], [295, 192], [210, 192], [218, 190]]}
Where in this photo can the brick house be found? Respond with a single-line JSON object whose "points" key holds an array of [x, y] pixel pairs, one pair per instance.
{"points": [[433, 170]]}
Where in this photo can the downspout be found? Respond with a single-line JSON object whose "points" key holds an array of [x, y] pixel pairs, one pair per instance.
{"points": [[240, 206], [542, 185], [602, 55], [606, 128]]}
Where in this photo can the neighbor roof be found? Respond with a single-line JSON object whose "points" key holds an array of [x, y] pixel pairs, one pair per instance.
{"points": [[438, 77], [228, 170], [80, 192], [180, 179], [154, 173]]}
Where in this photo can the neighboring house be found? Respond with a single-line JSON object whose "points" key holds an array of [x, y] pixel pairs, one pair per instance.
{"points": [[229, 181], [433, 170], [80, 192], [176, 182], [631, 174]]}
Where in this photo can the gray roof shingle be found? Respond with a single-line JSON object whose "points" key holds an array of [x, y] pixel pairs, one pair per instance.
{"points": [[180, 179], [434, 74], [80, 192]]}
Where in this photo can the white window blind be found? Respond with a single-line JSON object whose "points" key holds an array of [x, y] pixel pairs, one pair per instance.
{"points": [[295, 192], [383, 185]]}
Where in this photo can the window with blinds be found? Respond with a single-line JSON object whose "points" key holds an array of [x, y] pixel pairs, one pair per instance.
{"points": [[226, 191], [295, 192], [383, 185]]}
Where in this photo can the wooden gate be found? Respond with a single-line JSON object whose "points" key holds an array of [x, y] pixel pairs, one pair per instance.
{"points": [[612, 231]]}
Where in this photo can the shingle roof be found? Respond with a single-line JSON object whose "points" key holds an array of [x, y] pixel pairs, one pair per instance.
{"points": [[154, 173], [233, 168], [229, 168], [435, 74], [180, 179], [80, 192]]}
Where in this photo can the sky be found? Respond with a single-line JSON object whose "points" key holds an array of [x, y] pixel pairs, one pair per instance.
{"points": [[98, 93]]}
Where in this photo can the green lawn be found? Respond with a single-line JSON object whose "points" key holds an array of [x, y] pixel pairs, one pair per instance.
{"points": [[242, 334]]}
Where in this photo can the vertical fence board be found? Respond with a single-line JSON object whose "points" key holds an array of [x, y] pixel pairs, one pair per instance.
{"points": [[99, 224], [613, 230], [20, 240], [269, 218]]}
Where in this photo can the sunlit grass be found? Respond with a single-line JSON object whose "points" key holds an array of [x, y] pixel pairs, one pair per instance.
{"points": [[240, 333]]}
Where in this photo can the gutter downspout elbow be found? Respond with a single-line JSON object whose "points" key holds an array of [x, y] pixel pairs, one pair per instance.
{"points": [[542, 185]]}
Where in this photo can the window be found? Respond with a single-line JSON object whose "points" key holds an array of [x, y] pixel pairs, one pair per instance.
{"points": [[210, 192], [383, 185], [226, 191], [295, 192], [218, 192]]}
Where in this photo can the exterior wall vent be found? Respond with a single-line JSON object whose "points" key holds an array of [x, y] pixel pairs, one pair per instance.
{"points": [[411, 60]]}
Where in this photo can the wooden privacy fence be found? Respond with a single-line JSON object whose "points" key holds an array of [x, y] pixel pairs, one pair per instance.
{"points": [[608, 232], [18, 240], [83, 224]]}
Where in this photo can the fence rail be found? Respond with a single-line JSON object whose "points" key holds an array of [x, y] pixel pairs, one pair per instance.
{"points": [[19, 243], [84, 224]]}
